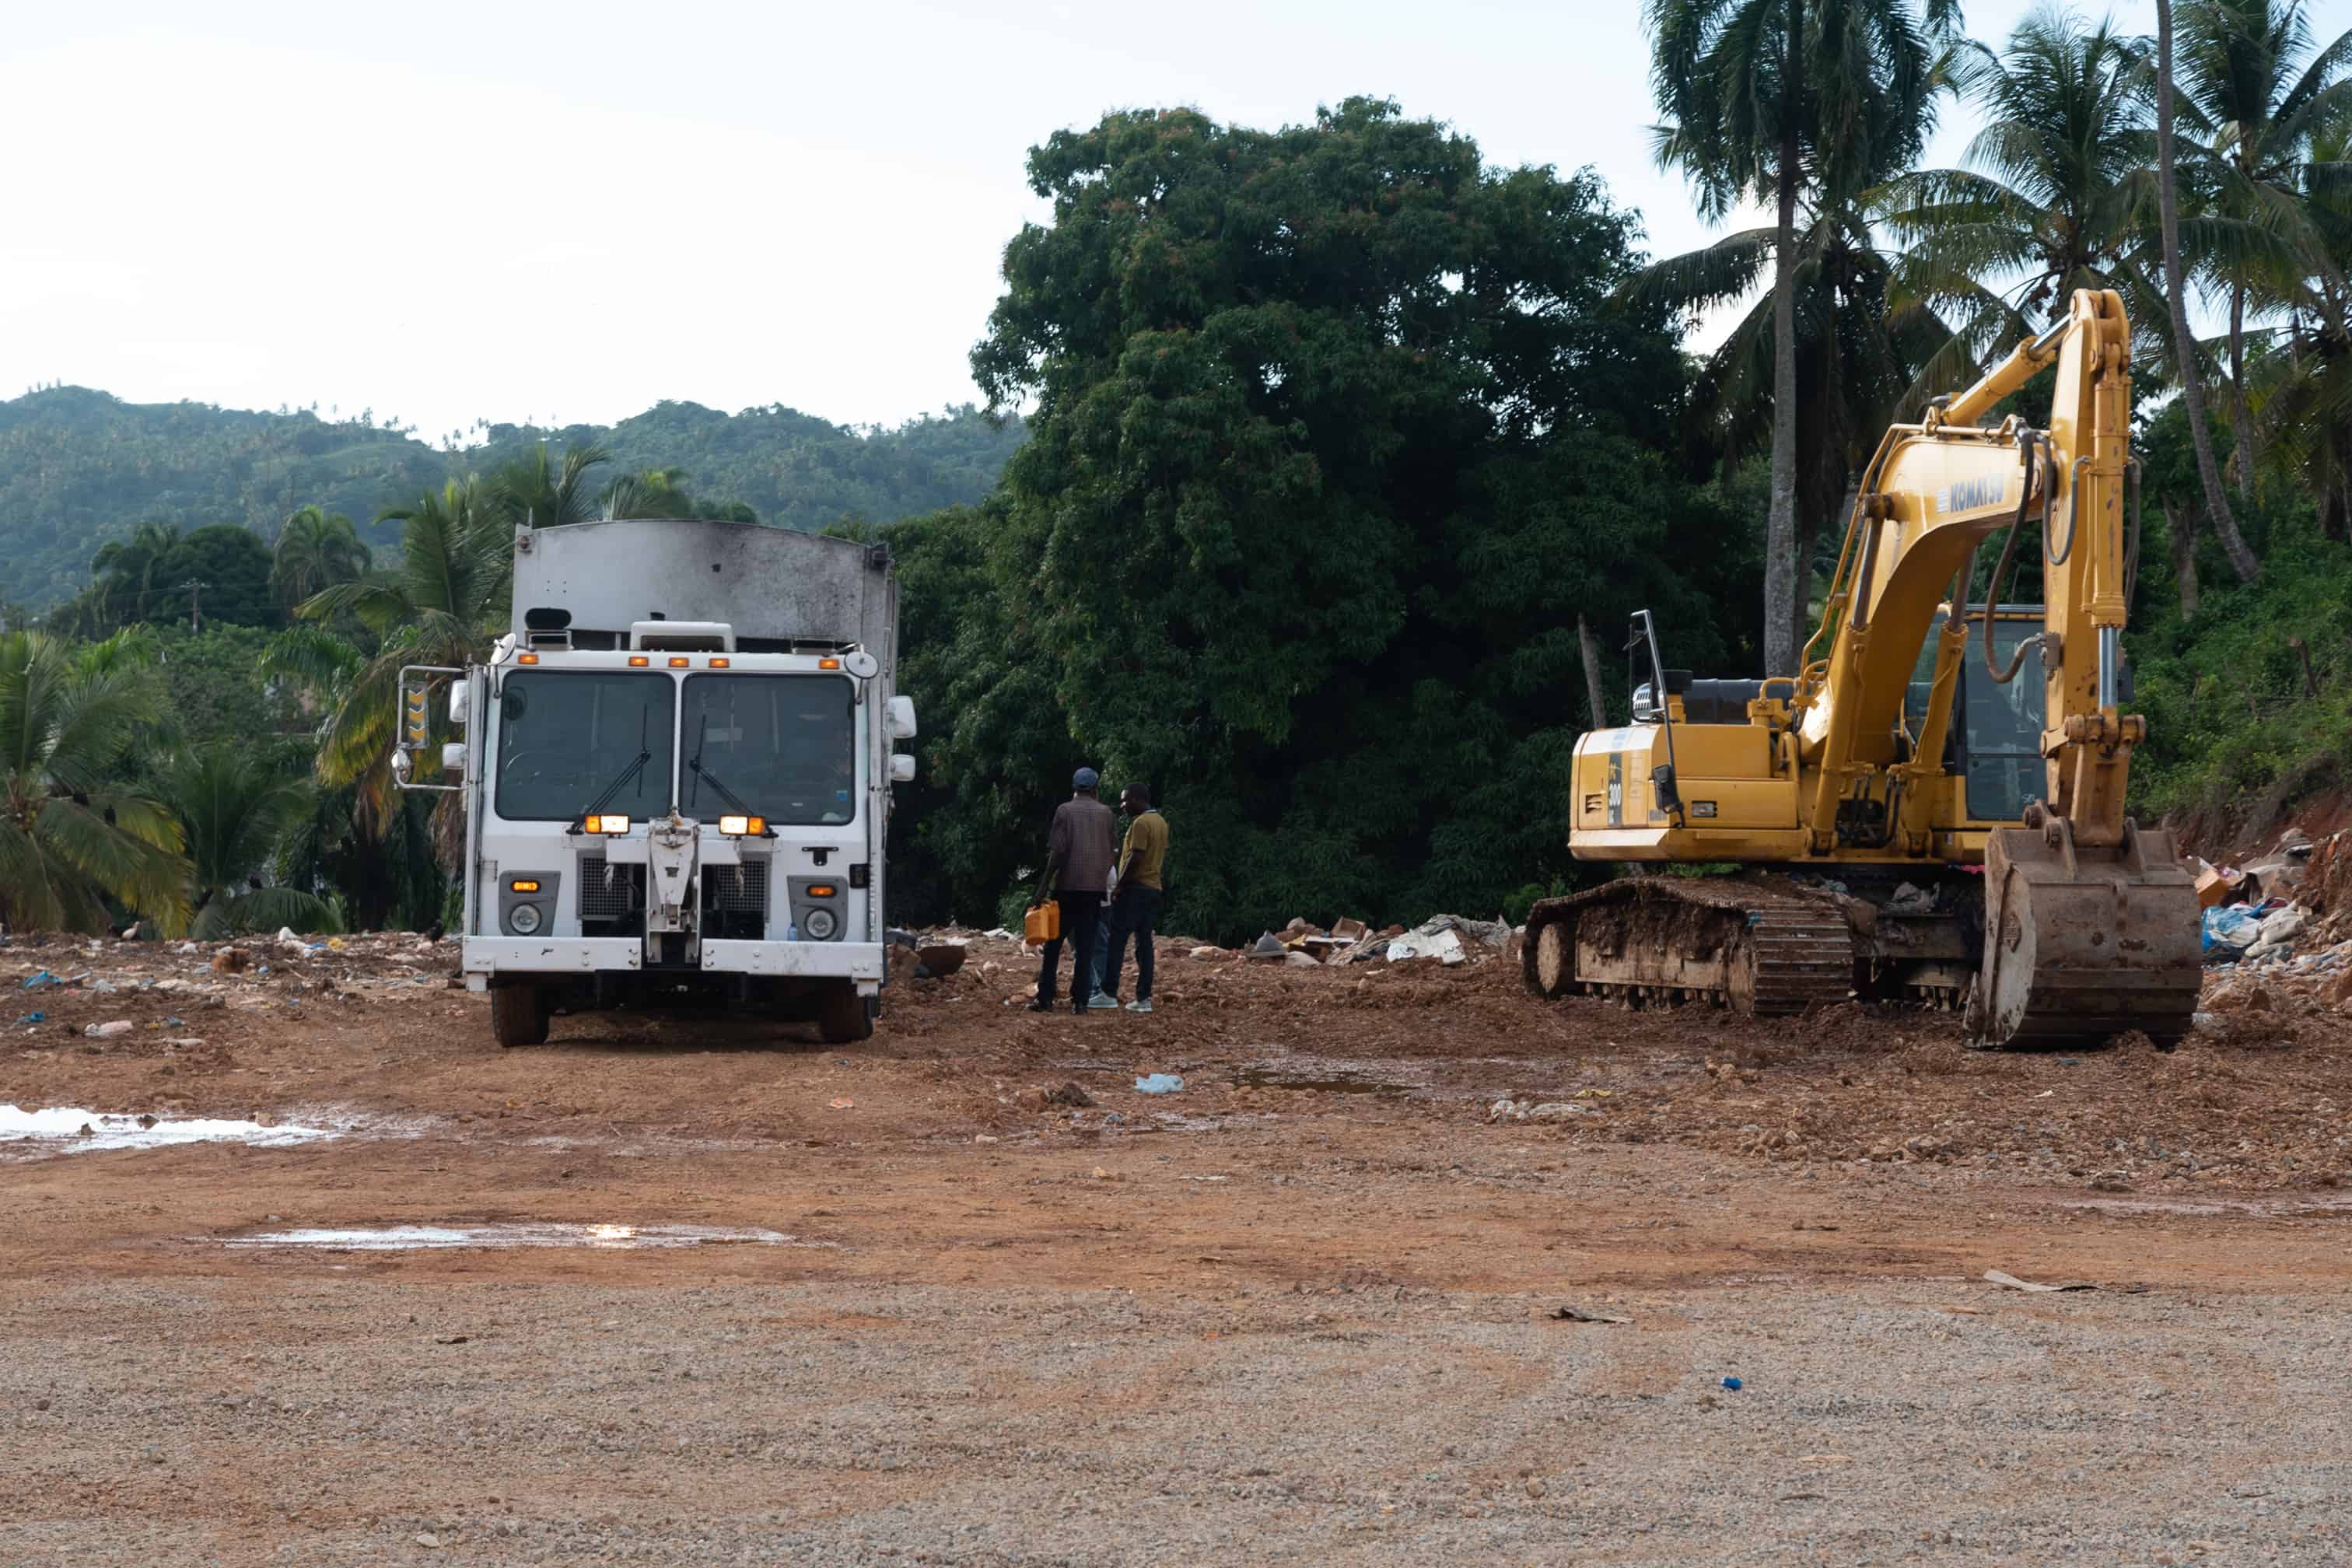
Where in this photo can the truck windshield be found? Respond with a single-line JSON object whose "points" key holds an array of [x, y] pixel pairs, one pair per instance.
{"points": [[565, 736], [783, 745]]}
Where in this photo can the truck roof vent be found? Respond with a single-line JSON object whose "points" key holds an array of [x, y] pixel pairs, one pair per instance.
{"points": [[682, 636]]}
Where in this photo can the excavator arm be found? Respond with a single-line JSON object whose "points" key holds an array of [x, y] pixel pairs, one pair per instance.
{"points": [[2090, 924]]}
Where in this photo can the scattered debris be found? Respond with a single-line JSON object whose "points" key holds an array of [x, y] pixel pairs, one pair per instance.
{"points": [[107, 1030], [438, 1237], [1158, 1083], [844, 1103], [1733, 1385], [1996, 1276], [1071, 1095], [1579, 1315]]}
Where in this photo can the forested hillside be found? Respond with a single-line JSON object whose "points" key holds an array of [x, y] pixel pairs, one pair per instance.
{"points": [[79, 468]]}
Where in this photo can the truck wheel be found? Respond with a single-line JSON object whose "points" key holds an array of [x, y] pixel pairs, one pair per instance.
{"points": [[519, 1015], [841, 1016]]}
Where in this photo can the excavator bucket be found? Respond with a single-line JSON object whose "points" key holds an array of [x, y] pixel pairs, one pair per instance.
{"points": [[2082, 943]]}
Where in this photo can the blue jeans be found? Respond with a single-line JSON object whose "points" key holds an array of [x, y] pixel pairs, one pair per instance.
{"points": [[1102, 947]]}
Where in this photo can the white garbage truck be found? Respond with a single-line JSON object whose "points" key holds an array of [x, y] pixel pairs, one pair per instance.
{"points": [[674, 773]]}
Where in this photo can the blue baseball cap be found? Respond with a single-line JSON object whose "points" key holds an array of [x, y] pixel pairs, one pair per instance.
{"points": [[1085, 778]]}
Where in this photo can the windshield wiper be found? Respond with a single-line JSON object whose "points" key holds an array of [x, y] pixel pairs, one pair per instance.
{"points": [[645, 755], [703, 776]]}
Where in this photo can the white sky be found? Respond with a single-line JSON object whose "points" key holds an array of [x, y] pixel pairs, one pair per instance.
{"points": [[444, 212]]}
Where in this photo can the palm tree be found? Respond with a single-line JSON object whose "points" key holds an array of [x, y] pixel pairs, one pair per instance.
{"points": [[2254, 108], [2055, 194], [1861, 362], [1777, 101], [2192, 384], [2301, 392], [544, 494], [70, 839], [127, 568], [316, 550], [440, 605], [234, 807], [656, 492]]}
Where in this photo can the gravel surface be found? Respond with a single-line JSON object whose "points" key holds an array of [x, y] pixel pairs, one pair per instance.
{"points": [[1931, 1421]]}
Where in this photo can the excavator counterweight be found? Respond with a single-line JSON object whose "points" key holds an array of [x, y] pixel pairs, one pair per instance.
{"points": [[1932, 807]]}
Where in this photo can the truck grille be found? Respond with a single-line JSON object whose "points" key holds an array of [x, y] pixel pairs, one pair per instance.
{"points": [[736, 890], [609, 892]]}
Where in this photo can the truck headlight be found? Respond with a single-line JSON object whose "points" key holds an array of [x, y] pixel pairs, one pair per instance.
{"points": [[524, 918], [742, 826], [821, 925]]}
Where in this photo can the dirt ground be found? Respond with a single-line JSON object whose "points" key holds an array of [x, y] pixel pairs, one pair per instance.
{"points": [[999, 1306]]}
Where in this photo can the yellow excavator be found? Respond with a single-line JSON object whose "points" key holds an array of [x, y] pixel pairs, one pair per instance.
{"points": [[1927, 811]]}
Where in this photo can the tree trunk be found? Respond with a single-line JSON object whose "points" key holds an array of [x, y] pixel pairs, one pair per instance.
{"points": [[1780, 565], [2192, 389], [2180, 527], [1594, 694], [2242, 419]]}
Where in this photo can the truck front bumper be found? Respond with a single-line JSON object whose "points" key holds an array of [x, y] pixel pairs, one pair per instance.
{"points": [[861, 962]]}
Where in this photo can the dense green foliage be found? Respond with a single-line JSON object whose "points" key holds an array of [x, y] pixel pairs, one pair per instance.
{"points": [[80, 469], [1336, 433]]}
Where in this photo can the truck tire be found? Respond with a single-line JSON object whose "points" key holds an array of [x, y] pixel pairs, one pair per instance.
{"points": [[519, 1015], [841, 1016]]}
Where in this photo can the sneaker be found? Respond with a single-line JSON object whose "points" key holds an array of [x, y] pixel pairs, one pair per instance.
{"points": [[1103, 1001], [1043, 1004], [1140, 1005]]}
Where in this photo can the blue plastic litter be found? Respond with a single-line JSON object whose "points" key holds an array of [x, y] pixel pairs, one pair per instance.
{"points": [[1160, 1083], [34, 1018], [42, 978], [2237, 927], [1733, 1384]]}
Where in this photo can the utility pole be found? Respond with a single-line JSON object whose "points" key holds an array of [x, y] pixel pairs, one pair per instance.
{"points": [[195, 604]]}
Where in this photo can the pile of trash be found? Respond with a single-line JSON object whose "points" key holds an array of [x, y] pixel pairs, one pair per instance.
{"points": [[2281, 927], [253, 971], [1449, 939]]}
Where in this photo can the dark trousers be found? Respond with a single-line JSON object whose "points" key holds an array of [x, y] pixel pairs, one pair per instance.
{"points": [[1080, 910], [1135, 912]]}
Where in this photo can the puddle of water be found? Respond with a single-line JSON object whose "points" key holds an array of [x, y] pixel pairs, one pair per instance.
{"points": [[434, 1237], [66, 1131], [1258, 1077]]}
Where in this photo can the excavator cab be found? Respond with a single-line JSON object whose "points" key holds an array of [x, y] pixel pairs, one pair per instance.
{"points": [[1995, 747]]}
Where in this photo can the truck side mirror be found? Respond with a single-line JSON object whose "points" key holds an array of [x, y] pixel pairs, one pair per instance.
{"points": [[403, 767], [901, 719], [902, 768], [460, 703], [453, 757]]}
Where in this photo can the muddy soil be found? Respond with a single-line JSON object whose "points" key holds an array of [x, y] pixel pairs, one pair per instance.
{"points": [[963, 1294]]}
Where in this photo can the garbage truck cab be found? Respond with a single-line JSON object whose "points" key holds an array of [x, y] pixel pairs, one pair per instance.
{"points": [[675, 773]]}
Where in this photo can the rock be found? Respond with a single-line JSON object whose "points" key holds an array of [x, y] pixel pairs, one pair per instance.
{"points": [[1535, 1488], [1205, 953], [425, 1538], [232, 960], [2337, 991], [1071, 1095], [1558, 1110], [2243, 997]]}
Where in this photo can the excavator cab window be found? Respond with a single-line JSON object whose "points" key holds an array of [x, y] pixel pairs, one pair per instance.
{"points": [[1995, 743]]}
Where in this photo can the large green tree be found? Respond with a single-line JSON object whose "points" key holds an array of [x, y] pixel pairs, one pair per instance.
{"points": [[1791, 104], [1336, 433]]}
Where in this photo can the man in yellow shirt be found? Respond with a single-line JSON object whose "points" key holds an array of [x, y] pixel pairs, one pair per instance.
{"points": [[1135, 907]]}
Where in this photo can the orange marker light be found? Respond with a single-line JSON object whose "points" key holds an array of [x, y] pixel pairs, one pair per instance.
{"points": [[828, 664], [524, 885], [638, 661], [719, 664], [678, 663], [822, 890], [527, 658]]}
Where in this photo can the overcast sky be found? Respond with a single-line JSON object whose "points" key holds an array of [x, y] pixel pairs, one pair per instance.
{"points": [[446, 212]]}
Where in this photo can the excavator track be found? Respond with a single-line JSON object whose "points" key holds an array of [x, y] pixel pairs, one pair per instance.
{"points": [[1759, 945]]}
